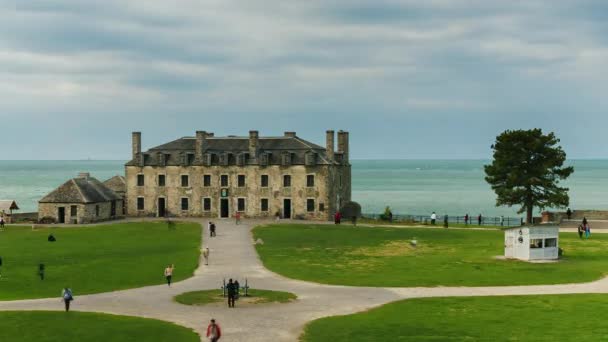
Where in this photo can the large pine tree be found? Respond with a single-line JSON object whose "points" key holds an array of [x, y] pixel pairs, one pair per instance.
{"points": [[527, 169]]}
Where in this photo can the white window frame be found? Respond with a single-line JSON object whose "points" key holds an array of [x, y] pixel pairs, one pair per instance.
{"points": [[314, 206], [203, 204], [228, 178], [314, 180], [267, 181], [180, 203], [244, 178], [158, 183], [268, 207], [237, 204], [210, 180], [137, 203], [137, 180], [290, 180], [181, 185]]}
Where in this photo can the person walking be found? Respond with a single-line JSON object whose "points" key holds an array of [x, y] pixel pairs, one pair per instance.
{"points": [[479, 219], [206, 255], [209, 229], [354, 220], [580, 231], [337, 217], [502, 220], [445, 221], [569, 213], [433, 218], [41, 271], [169, 274], [237, 286], [212, 232], [231, 293], [237, 218], [67, 296], [587, 230], [214, 333], [1, 222], [466, 219]]}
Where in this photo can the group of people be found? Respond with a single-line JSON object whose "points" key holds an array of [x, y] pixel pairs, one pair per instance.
{"points": [[584, 228], [232, 289]]}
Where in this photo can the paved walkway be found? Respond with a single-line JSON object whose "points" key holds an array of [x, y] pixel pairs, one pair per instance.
{"points": [[233, 256]]}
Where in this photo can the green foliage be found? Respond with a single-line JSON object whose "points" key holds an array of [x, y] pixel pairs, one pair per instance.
{"points": [[94, 259], [387, 214], [46, 326], [382, 256], [527, 169], [215, 296], [575, 318]]}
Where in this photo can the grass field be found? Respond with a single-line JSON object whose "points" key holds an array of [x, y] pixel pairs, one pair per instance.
{"points": [[365, 256], [516, 318], [215, 296], [44, 326], [94, 259]]}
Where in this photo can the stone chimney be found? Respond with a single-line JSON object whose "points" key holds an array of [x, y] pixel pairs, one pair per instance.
{"points": [[329, 144], [84, 175], [200, 145], [136, 144], [290, 134], [253, 144], [343, 144]]}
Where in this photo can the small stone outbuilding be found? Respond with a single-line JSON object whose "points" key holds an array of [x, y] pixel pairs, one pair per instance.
{"points": [[533, 243], [118, 184], [83, 199], [6, 209]]}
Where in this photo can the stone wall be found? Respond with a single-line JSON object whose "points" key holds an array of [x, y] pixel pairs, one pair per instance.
{"points": [[86, 213], [324, 192]]}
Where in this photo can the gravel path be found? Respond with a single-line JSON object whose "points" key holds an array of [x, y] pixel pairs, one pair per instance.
{"points": [[233, 256]]}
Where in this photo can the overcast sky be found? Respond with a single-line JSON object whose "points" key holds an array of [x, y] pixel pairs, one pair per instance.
{"points": [[408, 79]]}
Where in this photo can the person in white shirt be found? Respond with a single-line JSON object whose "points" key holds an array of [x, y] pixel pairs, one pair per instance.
{"points": [[433, 218]]}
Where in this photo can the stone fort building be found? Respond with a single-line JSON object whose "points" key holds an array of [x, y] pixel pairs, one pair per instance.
{"points": [[255, 176]]}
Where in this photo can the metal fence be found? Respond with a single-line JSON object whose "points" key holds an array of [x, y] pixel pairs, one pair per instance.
{"points": [[472, 220]]}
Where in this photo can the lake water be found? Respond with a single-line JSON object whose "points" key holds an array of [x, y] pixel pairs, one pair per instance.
{"points": [[415, 187]]}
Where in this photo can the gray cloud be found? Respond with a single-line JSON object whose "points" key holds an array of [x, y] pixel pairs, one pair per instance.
{"points": [[408, 78]]}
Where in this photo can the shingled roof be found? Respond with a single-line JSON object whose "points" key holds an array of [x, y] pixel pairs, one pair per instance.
{"points": [[118, 184], [8, 205], [272, 146], [83, 189]]}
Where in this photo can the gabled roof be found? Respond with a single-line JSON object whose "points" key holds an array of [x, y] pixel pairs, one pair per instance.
{"points": [[81, 190], [117, 184], [8, 205], [272, 146]]}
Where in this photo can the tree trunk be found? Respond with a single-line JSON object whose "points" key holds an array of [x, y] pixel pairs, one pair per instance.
{"points": [[529, 214]]}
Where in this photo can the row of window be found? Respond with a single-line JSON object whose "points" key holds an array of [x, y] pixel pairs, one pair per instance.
{"points": [[185, 204], [264, 183]]}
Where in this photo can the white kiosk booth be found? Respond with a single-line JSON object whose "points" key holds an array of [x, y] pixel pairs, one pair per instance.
{"points": [[532, 243]]}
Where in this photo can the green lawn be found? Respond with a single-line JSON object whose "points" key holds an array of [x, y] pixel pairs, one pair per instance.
{"points": [[46, 326], [215, 296], [95, 259], [515, 318], [366, 256]]}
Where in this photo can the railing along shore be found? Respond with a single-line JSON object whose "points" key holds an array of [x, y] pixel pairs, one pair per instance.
{"points": [[472, 220]]}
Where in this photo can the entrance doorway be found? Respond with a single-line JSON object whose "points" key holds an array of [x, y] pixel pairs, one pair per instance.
{"points": [[224, 208], [162, 212], [61, 214], [287, 208]]}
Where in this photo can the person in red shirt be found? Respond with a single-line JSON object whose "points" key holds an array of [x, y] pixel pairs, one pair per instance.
{"points": [[337, 217], [213, 331]]}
